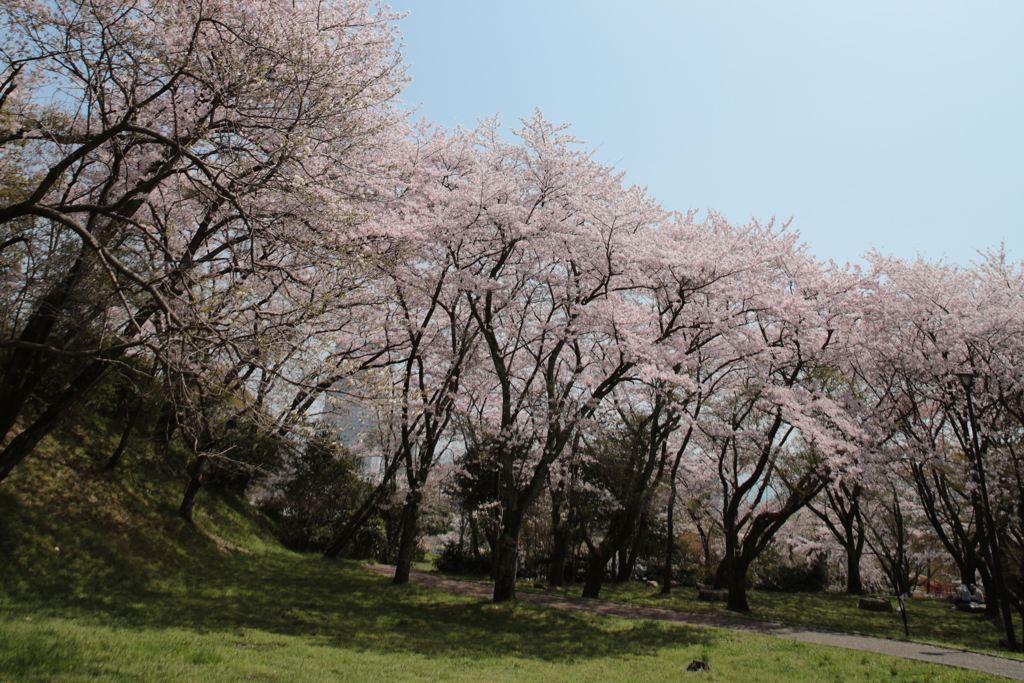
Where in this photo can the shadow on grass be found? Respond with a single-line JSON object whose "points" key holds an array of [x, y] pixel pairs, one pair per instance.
{"points": [[930, 620], [108, 549], [341, 604]]}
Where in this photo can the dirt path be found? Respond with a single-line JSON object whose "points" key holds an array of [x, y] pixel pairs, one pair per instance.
{"points": [[975, 661]]}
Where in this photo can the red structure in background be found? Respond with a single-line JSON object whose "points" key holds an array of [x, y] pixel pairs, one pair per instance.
{"points": [[938, 589]]}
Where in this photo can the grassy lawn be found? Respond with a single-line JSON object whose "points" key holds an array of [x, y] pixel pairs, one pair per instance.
{"points": [[930, 620], [99, 580], [273, 615]]}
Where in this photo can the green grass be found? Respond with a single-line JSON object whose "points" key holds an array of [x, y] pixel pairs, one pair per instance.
{"points": [[100, 581], [276, 616], [930, 620]]}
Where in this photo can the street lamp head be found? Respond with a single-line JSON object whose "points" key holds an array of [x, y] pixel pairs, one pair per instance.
{"points": [[966, 379]]}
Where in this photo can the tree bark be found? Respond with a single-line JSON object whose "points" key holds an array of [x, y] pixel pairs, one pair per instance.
{"points": [[167, 423], [360, 516], [559, 554], [25, 442], [195, 482], [737, 586], [407, 544], [122, 445], [854, 585], [559, 540], [494, 543], [507, 565], [593, 578], [670, 540], [632, 553], [26, 367]]}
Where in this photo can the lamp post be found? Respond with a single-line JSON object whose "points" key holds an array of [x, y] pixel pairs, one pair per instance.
{"points": [[967, 381]]}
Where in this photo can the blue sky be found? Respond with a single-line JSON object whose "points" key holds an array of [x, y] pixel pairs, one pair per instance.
{"points": [[892, 125]]}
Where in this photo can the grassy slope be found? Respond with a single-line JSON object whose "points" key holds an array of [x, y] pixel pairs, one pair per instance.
{"points": [[100, 581]]}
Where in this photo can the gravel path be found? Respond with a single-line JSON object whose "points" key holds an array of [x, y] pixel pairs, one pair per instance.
{"points": [[964, 659]]}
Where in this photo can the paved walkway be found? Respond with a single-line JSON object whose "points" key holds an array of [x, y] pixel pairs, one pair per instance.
{"points": [[975, 661]]}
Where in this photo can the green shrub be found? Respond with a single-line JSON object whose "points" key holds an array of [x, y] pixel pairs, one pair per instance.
{"points": [[456, 559]]}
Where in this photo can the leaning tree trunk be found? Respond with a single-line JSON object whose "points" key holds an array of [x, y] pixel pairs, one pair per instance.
{"points": [[365, 511], [195, 482], [25, 442], [126, 436], [407, 544], [27, 365]]}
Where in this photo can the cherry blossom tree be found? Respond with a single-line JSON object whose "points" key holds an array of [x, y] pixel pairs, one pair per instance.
{"points": [[539, 265], [167, 158], [774, 437], [429, 333], [947, 340]]}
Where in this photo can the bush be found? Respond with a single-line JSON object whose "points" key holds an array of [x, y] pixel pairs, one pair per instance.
{"points": [[455, 559], [318, 499], [371, 541], [772, 572]]}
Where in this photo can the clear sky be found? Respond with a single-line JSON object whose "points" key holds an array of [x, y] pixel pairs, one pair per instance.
{"points": [[896, 125]]}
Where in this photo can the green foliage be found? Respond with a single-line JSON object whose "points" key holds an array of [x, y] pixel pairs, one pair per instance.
{"points": [[372, 540], [477, 481], [249, 454], [689, 569], [326, 486], [455, 558], [774, 571]]}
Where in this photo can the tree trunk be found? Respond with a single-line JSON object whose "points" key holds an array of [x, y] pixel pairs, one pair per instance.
{"points": [[358, 519], [167, 423], [195, 482], [559, 540], [724, 570], [25, 442], [991, 596], [507, 565], [737, 586], [670, 542], [407, 544], [26, 367], [594, 576], [632, 553], [494, 543], [122, 445], [854, 585], [474, 536], [968, 569], [559, 552]]}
